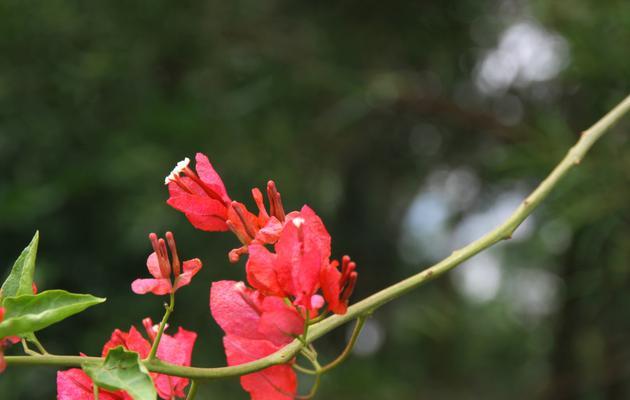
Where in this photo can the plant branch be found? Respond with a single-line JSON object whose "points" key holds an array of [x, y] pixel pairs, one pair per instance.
{"points": [[346, 352], [369, 304], [156, 342]]}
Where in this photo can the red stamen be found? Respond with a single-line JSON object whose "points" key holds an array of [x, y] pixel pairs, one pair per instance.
{"points": [[148, 327], [237, 232], [170, 239], [240, 211], [180, 182], [154, 243], [262, 212], [235, 254], [347, 292], [348, 268], [192, 175], [275, 201], [165, 265]]}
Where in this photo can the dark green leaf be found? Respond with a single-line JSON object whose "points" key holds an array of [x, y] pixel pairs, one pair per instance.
{"points": [[32, 312], [20, 280], [122, 370]]}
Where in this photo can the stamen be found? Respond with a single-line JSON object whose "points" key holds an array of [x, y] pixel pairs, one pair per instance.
{"points": [[235, 254], [208, 190], [177, 170], [148, 327], [237, 232], [275, 201], [170, 239], [240, 211], [347, 292], [154, 243], [180, 182], [347, 266], [262, 212], [298, 221], [165, 265]]}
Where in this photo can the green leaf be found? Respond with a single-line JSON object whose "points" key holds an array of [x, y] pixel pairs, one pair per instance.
{"points": [[20, 280], [122, 370], [32, 312]]}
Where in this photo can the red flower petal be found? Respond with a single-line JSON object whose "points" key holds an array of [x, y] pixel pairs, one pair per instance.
{"points": [[207, 223], [156, 286], [236, 308], [190, 267], [273, 383], [299, 260], [133, 341], [175, 349], [196, 204], [74, 384], [315, 229], [270, 232], [279, 323], [209, 176], [153, 265], [261, 270], [330, 282]]}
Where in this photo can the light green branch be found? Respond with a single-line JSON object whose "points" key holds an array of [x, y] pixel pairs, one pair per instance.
{"points": [[366, 306]]}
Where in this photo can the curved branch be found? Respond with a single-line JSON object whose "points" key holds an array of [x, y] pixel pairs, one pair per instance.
{"points": [[371, 303]]}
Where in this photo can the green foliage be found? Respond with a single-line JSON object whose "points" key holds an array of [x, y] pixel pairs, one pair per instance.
{"points": [[122, 370], [32, 312], [20, 280]]}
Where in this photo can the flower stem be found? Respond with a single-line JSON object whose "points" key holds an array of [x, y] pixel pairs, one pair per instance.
{"points": [[27, 349], [192, 392], [371, 303], [95, 391], [158, 336], [346, 352], [37, 343], [304, 370]]}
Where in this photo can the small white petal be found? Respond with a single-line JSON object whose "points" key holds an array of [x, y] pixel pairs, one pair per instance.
{"points": [[177, 170]]}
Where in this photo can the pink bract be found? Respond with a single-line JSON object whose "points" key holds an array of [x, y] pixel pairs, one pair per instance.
{"points": [[73, 384], [256, 326]]}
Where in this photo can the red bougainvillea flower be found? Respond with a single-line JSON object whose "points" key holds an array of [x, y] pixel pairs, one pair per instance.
{"points": [[302, 250], [161, 268], [202, 198], [177, 349], [4, 343], [256, 326]]}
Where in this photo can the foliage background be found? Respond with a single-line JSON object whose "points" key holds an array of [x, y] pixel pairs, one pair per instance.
{"points": [[410, 126]]}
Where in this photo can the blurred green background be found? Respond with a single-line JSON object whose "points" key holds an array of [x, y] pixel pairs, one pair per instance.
{"points": [[411, 127]]}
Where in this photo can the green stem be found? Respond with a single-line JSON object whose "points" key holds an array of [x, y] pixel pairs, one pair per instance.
{"points": [[37, 343], [95, 391], [287, 353], [158, 336], [27, 349], [192, 392], [313, 390], [306, 324], [303, 370], [346, 352]]}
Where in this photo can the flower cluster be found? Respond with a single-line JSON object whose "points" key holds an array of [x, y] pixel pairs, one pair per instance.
{"points": [[291, 281], [74, 384], [289, 270]]}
